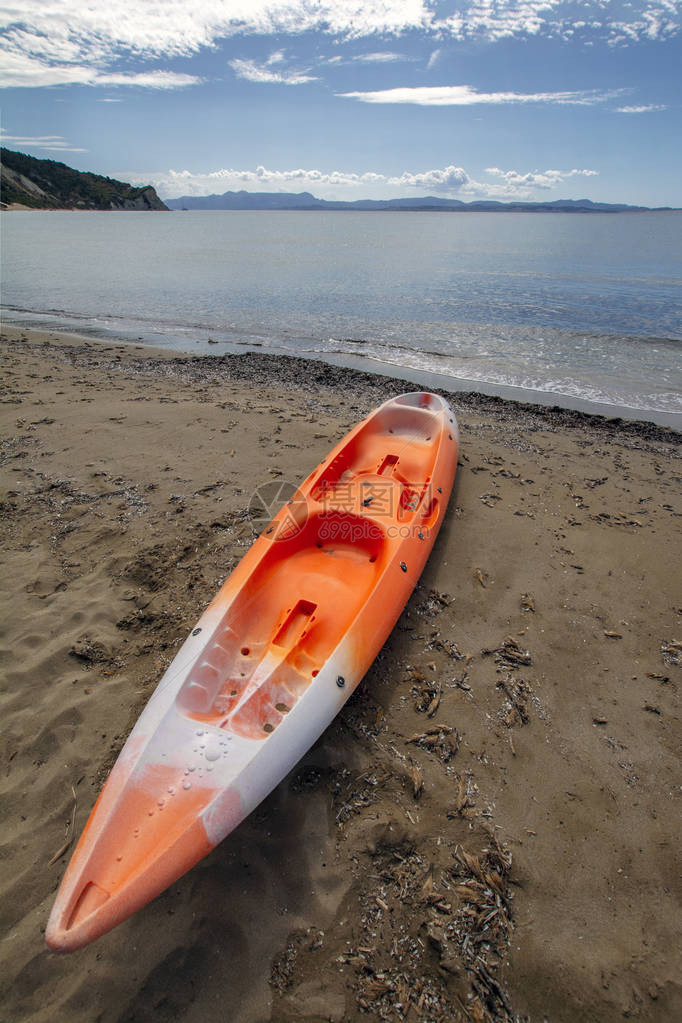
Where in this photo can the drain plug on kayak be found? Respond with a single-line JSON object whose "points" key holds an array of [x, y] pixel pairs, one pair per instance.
{"points": [[340, 681]]}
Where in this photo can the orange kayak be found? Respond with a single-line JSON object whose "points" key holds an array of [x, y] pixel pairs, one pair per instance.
{"points": [[269, 664]]}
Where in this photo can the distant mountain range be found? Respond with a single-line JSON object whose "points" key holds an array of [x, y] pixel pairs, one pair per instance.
{"points": [[26, 182], [306, 201]]}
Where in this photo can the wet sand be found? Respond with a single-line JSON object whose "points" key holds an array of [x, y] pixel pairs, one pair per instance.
{"points": [[488, 831]]}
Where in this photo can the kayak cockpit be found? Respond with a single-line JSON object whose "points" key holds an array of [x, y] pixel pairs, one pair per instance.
{"points": [[284, 624]]}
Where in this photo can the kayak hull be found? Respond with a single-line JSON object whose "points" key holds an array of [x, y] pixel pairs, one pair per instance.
{"points": [[268, 666]]}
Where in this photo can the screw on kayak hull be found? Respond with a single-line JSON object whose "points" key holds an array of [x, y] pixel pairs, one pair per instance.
{"points": [[403, 566], [340, 681]]}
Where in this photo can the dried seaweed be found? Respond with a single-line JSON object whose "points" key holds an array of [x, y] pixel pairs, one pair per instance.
{"points": [[509, 653]]}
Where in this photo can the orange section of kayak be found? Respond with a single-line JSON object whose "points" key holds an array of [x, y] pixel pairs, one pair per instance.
{"points": [[318, 568], [153, 835], [322, 586]]}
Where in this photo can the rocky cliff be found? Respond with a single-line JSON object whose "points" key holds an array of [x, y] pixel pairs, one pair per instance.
{"points": [[46, 184]]}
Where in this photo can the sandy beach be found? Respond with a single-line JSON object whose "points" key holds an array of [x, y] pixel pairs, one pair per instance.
{"points": [[490, 828]]}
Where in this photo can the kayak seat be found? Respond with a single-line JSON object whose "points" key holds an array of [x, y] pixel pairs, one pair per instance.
{"points": [[284, 624], [369, 478]]}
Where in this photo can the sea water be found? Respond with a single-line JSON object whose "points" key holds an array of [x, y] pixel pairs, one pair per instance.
{"points": [[568, 308]]}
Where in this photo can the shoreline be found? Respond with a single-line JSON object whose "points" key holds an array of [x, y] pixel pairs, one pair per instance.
{"points": [[430, 380], [21, 208], [525, 864], [509, 392]]}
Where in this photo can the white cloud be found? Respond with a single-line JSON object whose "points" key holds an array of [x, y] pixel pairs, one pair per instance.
{"points": [[147, 79], [544, 180], [433, 59], [31, 71], [465, 95], [261, 179], [650, 21], [643, 109], [268, 72], [381, 57], [451, 181], [52, 42], [46, 143], [616, 21], [377, 57]]}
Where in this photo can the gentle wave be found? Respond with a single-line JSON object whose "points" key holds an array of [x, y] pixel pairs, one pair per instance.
{"points": [[475, 363]]}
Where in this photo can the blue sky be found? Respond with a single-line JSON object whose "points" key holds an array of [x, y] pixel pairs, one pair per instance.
{"points": [[505, 99]]}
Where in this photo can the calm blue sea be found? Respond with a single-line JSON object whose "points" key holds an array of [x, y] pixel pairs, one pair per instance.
{"points": [[561, 307]]}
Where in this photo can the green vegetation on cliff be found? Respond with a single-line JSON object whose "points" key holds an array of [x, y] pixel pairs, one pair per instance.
{"points": [[48, 184]]}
